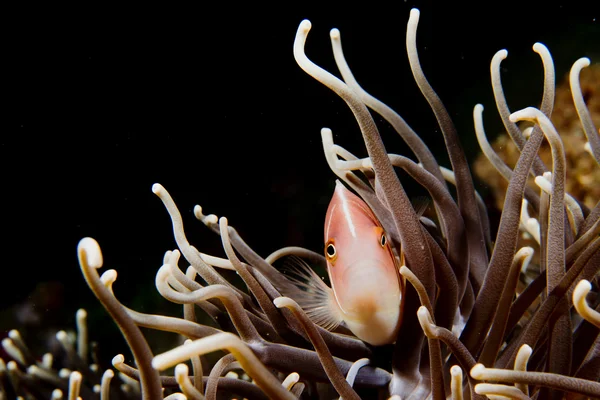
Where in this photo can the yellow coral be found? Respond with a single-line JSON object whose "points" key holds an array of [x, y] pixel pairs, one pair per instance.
{"points": [[582, 177]]}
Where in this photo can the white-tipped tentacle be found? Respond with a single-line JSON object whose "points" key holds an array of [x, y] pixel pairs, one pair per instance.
{"points": [[487, 150], [13, 351], [530, 224], [74, 385], [331, 151], [521, 361], [353, 371], [550, 380], [105, 384], [176, 396], [579, 294], [82, 335], [456, 382], [206, 271], [584, 114], [290, 381], [218, 262], [544, 182], [226, 341], [210, 219], [409, 136], [555, 256], [499, 391], [47, 360], [185, 384]]}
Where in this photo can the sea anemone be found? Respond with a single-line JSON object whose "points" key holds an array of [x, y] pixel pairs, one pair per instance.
{"points": [[470, 327]]}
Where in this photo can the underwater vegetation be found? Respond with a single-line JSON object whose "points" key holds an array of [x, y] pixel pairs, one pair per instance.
{"points": [[477, 317]]}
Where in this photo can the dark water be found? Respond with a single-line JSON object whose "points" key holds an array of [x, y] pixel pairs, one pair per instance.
{"points": [[213, 106]]}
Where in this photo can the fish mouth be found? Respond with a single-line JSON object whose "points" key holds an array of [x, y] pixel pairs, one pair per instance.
{"points": [[368, 288], [379, 328]]}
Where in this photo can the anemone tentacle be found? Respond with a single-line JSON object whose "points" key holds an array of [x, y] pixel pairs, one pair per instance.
{"points": [[519, 315]]}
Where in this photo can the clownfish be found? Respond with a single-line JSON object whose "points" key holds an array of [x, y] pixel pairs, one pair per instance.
{"points": [[367, 290]]}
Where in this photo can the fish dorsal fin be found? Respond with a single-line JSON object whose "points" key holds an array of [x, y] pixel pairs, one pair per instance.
{"points": [[311, 293]]}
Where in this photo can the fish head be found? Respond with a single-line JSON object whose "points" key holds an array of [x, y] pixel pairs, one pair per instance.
{"points": [[363, 270]]}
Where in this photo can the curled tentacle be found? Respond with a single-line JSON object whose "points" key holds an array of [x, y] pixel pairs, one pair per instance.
{"points": [[334, 374], [554, 381], [589, 314], [252, 365], [90, 259]]}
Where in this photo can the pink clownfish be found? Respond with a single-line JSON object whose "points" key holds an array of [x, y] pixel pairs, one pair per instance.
{"points": [[367, 290]]}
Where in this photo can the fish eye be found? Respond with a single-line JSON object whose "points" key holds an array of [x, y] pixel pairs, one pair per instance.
{"points": [[330, 251], [382, 240]]}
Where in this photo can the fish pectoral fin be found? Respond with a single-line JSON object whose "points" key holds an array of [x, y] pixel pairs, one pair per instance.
{"points": [[311, 293], [327, 314]]}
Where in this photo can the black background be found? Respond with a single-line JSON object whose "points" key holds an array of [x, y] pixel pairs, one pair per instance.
{"points": [[102, 102]]}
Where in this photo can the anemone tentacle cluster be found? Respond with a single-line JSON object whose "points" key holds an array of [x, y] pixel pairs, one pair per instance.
{"points": [[469, 328]]}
